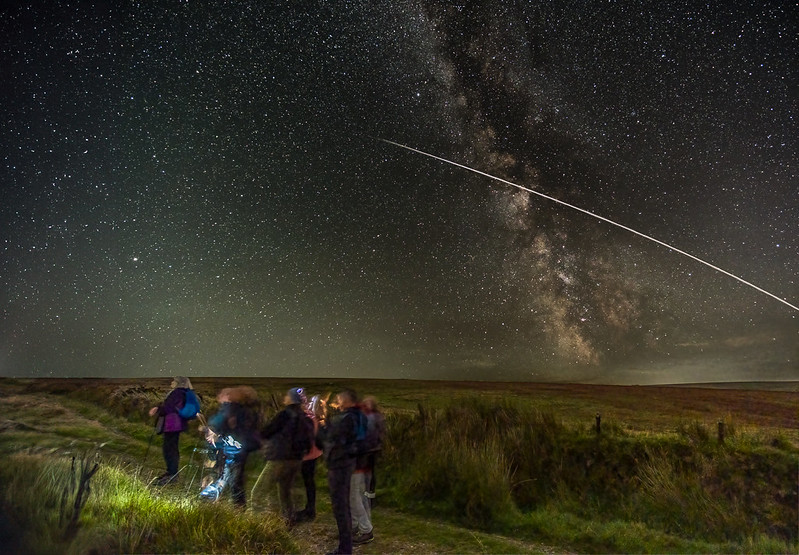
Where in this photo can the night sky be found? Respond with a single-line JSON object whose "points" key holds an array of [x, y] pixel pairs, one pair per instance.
{"points": [[196, 188]]}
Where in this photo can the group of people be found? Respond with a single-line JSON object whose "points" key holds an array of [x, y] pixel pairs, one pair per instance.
{"points": [[346, 431]]}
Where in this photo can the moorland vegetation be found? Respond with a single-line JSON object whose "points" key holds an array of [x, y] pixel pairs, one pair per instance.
{"points": [[524, 468]]}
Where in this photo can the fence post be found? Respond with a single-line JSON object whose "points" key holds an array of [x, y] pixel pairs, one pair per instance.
{"points": [[721, 431], [598, 424]]}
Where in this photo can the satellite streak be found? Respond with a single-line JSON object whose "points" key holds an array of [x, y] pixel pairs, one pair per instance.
{"points": [[573, 207]]}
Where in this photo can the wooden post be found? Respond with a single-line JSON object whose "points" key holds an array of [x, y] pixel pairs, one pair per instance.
{"points": [[598, 424], [721, 431]]}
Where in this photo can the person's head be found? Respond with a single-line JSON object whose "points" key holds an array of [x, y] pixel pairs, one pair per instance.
{"points": [[181, 381], [317, 406], [295, 396], [224, 396], [242, 394], [369, 404], [346, 399]]}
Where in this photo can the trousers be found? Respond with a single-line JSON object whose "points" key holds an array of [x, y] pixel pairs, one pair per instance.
{"points": [[338, 480]]}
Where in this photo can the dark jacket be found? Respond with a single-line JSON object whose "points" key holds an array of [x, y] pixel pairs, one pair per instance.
{"points": [[373, 442], [280, 432], [169, 410], [239, 421], [337, 438]]}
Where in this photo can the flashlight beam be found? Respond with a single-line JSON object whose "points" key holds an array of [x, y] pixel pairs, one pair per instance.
{"points": [[597, 216]]}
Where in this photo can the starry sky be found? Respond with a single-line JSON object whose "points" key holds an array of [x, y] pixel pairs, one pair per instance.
{"points": [[196, 188]]}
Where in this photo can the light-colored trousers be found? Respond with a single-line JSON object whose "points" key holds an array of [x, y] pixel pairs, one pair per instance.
{"points": [[360, 505]]}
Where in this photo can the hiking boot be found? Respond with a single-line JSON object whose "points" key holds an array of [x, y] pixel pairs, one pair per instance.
{"points": [[362, 537], [210, 492], [166, 478], [305, 516]]}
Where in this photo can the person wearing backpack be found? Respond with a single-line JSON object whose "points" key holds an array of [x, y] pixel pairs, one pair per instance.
{"points": [[371, 428], [337, 438], [238, 419], [171, 424], [287, 439], [376, 431]]}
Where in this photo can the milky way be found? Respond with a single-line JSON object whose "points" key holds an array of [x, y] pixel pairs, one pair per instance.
{"points": [[597, 216], [191, 188]]}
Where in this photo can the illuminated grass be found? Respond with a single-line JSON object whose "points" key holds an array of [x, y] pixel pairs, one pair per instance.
{"points": [[123, 515]]}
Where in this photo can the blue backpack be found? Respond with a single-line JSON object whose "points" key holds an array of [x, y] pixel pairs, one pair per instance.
{"points": [[361, 439], [191, 407]]}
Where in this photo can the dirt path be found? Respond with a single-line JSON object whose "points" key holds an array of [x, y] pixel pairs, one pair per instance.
{"points": [[397, 532]]}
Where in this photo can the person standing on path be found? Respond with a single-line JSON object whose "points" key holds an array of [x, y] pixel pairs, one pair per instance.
{"points": [[337, 435], [284, 450], [239, 418], [171, 426], [362, 486]]}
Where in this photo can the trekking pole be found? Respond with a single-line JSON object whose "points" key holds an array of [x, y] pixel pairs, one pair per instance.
{"points": [[198, 468], [258, 481], [147, 451], [191, 461], [174, 477], [202, 438], [149, 443]]}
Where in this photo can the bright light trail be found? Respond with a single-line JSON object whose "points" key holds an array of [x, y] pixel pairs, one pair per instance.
{"points": [[598, 217]]}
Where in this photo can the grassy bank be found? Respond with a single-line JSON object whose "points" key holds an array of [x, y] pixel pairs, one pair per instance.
{"points": [[507, 466]]}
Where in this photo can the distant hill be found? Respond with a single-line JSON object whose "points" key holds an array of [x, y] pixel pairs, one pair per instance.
{"points": [[756, 386]]}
